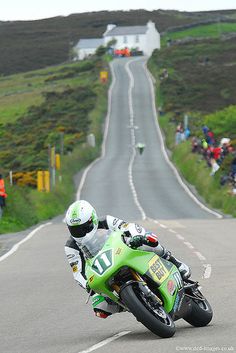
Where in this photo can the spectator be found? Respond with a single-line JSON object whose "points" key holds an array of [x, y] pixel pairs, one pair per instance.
{"points": [[187, 133], [224, 180], [210, 138], [215, 167], [3, 194], [233, 168], [205, 130], [164, 74], [195, 144], [234, 190], [204, 144], [204, 149], [226, 148], [178, 134], [233, 187], [126, 52], [224, 141], [217, 154], [182, 135], [209, 156], [160, 110]]}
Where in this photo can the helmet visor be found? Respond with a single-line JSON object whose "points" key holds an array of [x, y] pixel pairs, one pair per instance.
{"points": [[79, 231]]}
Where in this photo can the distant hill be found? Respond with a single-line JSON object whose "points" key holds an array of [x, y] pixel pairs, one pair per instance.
{"points": [[30, 45]]}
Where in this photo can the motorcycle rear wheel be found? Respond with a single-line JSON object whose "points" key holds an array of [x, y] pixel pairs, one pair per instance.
{"points": [[154, 318]]}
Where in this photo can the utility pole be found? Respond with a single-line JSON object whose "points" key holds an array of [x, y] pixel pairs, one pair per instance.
{"points": [[49, 162], [61, 143], [53, 165]]}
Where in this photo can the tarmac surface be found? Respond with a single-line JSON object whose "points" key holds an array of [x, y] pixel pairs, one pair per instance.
{"points": [[42, 308]]}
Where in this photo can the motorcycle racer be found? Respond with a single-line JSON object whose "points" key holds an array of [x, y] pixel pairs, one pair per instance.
{"points": [[82, 221]]}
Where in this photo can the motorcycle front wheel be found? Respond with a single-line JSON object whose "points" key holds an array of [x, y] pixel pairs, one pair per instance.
{"points": [[151, 315], [201, 313]]}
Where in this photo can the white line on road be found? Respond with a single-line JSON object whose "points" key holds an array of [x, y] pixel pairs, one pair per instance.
{"points": [[207, 268], [162, 226], [172, 231], [16, 246], [131, 162], [207, 272], [185, 187], [106, 341], [82, 181], [157, 222], [179, 236], [200, 256], [188, 244]]}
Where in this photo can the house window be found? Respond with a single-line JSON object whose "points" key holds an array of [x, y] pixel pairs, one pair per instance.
{"points": [[137, 38], [125, 40]]}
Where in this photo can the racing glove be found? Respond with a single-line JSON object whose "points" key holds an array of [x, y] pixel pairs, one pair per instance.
{"points": [[149, 239]]}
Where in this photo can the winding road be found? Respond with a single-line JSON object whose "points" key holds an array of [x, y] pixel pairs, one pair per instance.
{"points": [[42, 308]]}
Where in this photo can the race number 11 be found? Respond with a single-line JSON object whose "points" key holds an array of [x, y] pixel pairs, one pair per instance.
{"points": [[102, 262]]}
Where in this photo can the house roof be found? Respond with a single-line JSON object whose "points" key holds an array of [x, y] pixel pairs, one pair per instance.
{"points": [[90, 43], [126, 30]]}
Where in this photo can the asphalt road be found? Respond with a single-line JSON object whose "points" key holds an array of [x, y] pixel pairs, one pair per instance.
{"points": [[44, 311]]}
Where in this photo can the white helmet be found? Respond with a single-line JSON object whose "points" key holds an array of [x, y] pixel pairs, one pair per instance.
{"points": [[81, 219]]}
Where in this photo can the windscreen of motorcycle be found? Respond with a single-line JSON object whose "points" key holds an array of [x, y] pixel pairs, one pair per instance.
{"points": [[93, 243]]}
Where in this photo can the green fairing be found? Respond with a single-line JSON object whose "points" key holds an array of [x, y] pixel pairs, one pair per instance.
{"points": [[115, 255]]}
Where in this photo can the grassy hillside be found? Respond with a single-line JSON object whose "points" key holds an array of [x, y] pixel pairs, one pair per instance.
{"points": [[197, 76], [64, 96], [70, 100], [202, 75], [29, 45], [213, 30]]}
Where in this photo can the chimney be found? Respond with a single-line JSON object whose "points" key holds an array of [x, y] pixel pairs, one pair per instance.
{"points": [[109, 28], [150, 24]]}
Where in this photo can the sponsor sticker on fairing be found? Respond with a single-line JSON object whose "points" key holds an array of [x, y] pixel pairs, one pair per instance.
{"points": [[171, 287]]}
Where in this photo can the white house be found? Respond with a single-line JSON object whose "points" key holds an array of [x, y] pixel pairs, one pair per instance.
{"points": [[86, 47], [143, 38]]}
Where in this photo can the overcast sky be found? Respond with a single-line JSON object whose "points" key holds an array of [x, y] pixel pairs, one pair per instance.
{"points": [[11, 10]]}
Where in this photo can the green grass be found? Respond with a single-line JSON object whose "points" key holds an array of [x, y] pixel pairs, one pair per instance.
{"points": [[203, 31], [194, 169], [12, 107], [201, 83], [26, 206], [195, 84], [223, 122], [21, 91], [58, 99]]}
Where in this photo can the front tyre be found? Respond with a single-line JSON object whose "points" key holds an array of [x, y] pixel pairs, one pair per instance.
{"points": [[150, 314], [201, 313]]}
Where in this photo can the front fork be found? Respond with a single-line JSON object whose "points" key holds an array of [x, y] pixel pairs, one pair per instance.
{"points": [[137, 280]]}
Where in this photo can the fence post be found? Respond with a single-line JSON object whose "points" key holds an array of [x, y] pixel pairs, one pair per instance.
{"points": [[10, 176], [53, 167], [40, 181], [46, 180]]}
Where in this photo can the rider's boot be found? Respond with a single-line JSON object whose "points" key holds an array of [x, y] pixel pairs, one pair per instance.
{"points": [[104, 306], [184, 269]]}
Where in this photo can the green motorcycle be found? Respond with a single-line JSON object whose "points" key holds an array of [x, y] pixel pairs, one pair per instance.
{"points": [[141, 282]]}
